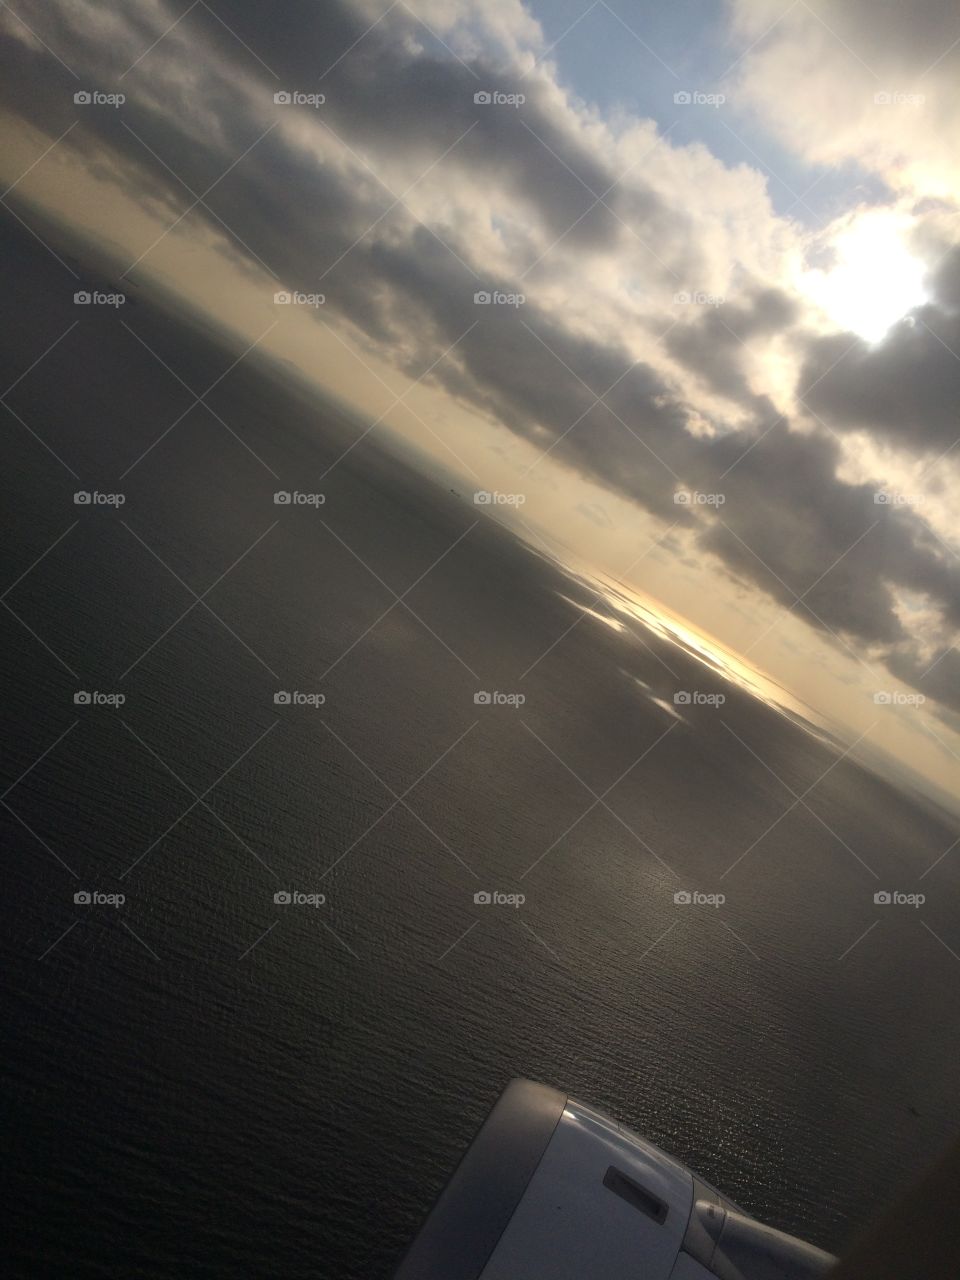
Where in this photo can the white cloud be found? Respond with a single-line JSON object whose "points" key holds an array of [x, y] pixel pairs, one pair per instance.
{"points": [[817, 70]]}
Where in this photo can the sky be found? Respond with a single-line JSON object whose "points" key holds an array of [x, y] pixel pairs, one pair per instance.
{"points": [[721, 242]]}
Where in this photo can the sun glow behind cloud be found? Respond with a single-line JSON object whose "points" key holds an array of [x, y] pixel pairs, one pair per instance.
{"points": [[873, 280]]}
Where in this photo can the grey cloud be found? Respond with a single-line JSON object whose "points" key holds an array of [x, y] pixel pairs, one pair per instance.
{"points": [[938, 677], [713, 345], [886, 35], [945, 280], [889, 34], [906, 388], [794, 529]]}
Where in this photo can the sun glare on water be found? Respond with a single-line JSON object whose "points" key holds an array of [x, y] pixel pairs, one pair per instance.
{"points": [[628, 603], [874, 279]]}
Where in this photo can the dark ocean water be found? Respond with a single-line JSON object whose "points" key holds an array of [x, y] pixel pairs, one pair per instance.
{"points": [[177, 1103]]}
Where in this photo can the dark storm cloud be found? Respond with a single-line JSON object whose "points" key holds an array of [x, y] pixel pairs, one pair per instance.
{"points": [[398, 101]]}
